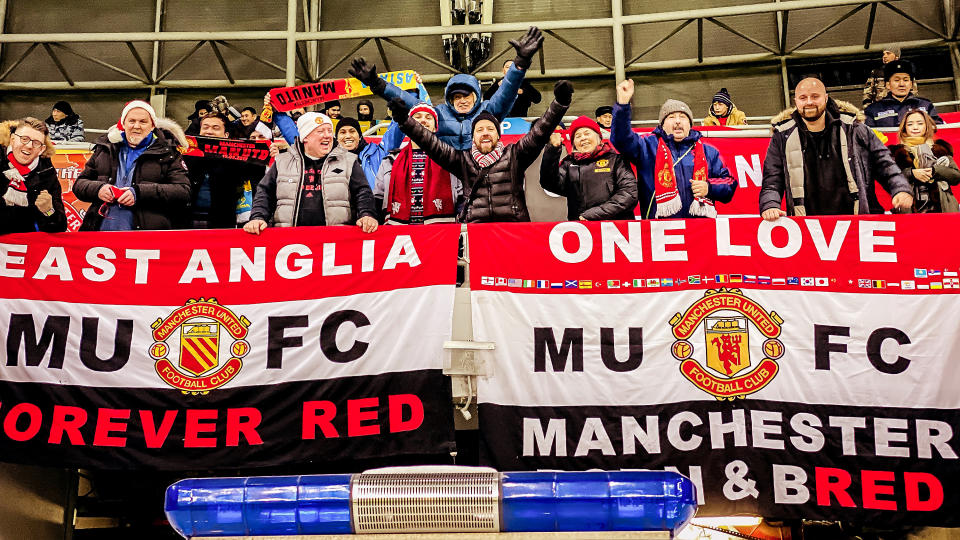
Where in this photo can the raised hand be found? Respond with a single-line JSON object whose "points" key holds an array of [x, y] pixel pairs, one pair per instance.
{"points": [[625, 92], [563, 92], [526, 47], [398, 110]]}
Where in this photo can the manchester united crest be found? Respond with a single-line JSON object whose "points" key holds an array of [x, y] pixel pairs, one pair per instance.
{"points": [[724, 369], [207, 332]]}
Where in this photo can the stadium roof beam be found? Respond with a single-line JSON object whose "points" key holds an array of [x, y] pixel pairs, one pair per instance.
{"points": [[99, 62], [56, 62]]}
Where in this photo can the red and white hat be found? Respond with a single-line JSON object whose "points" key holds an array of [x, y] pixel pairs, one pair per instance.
{"points": [[425, 107], [137, 104]]}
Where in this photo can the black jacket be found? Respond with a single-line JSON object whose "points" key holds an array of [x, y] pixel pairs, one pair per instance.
{"points": [[227, 178], [160, 183], [28, 218], [888, 111], [528, 95], [493, 193], [602, 187], [869, 160]]}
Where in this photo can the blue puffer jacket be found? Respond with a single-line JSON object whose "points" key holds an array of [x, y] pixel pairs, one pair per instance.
{"points": [[642, 152], [455, 129]]}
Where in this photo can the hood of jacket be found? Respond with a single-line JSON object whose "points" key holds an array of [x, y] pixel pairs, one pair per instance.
{"points": [[462, 80], [6, 130], [838, 107], [170, 130]]}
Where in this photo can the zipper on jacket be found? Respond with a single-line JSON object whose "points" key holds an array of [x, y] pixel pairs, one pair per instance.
{"points": [[296, 198]]}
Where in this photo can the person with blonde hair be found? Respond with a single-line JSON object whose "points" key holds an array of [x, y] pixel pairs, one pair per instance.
{"points": [[927, 163], [30, 191]]}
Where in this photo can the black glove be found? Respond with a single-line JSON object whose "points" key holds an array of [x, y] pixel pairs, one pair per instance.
{"points": [[367, 74], [563, 92], [526, 47], [398, 110]]}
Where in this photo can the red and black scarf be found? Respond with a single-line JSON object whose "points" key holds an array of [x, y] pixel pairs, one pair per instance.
{"points": [[666, 192], [438, 203]]}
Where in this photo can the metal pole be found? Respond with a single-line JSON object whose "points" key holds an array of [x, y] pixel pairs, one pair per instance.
{"points": [[157, 49], [782, 21], [3, 21], [56, 62], [955, 65], [619, 60], [315, 27], [949, 18], [870, 21], [291, 37], [785, 82]]}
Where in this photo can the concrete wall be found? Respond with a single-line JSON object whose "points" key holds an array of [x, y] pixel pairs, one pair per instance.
{"points": [[33, 502]]}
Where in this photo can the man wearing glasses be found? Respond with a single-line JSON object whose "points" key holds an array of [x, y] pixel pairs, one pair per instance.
{"points": [[30, 188]]}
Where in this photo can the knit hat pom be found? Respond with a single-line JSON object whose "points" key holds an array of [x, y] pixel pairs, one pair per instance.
{"points": [[425, 107], [723, 97]]}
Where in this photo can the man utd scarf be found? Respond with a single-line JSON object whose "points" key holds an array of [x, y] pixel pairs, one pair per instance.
{"points": [[666, 192], [438, 203]]}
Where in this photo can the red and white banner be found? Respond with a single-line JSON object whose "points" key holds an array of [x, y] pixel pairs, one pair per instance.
{"points": [[802, 368], [218, 349]]}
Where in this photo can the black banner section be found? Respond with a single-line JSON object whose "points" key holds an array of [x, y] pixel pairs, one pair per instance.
{"points": [[887, 466], [249, 151], [345, 419]]}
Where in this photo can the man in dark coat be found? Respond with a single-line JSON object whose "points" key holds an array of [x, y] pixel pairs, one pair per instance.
{"points": [[492, 174], [900, 98], [825, 161], [135, 177], [30, 188]]}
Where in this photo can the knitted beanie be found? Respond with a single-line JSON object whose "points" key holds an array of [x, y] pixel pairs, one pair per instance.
{"points": [[485, 116], [671, 106], [584, 122], [723, 97]]}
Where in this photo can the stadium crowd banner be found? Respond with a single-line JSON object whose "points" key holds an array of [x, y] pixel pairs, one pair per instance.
{"points": [[218, 349], [69, 163], [293, 97], [800, 368], [249, 151]]}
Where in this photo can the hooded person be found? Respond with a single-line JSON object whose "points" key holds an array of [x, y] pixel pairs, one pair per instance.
{"points": [[64, 124], [462, 96], [30, 190], [492, 173], [135, 178], [927, 163], [411, 188], [200, 108], [679, 175], [597, 182], [313, 183], [349, 135], [365, 114], [723, 112]]}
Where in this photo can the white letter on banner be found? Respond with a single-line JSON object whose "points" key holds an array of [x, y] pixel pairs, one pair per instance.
{"points": [[631, 246], [240, 263], [54, 263], [883, 436], [143, 258], [301, 267], [673, 431], [753, 169], [808, 438], [551, 443], [594, 437], [659, 240], [8, 255], [724, 247], [848, 426], [631, 432], [763, 424], [765, 238], [200, 267], [718, 428], [366, 255], [868, 241], [97, 259], [934, 433], [788, 485], [402, 251], [329, 265], [827, 251], [583, 235]]}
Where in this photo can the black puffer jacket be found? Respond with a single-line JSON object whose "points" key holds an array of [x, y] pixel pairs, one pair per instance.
{"points": [[160, 183], [601, 187], [493, 193], [226, 177]]}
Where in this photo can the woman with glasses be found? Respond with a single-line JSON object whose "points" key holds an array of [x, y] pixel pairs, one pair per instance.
{"points": [[30, 188]]}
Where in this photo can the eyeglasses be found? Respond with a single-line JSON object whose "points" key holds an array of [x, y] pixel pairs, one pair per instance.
{"points": [[28, 142]]}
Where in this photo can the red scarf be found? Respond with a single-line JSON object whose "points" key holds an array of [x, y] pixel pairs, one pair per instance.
{"points": [[438, 203], [665, 183], [603, 148]]}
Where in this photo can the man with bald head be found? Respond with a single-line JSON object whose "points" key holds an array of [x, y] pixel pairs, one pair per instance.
{"points": [[824, 161]]}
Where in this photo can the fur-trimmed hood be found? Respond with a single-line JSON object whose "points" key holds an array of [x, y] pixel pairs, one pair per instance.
{"points": [[170, 129], [8, 127], [842, 107]]}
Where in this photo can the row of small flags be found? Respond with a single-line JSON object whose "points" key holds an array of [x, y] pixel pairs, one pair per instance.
{"points": [[949, 280]]}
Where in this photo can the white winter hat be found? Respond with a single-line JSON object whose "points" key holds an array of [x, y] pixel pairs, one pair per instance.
{"points": [[311, 121], [137, 104]]}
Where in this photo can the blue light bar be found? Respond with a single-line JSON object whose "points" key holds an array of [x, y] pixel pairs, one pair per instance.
{"points": [[528, 502]]}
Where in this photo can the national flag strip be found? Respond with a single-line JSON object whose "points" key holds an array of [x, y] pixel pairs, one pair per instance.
{"points": [[764, 280], [543, 284], [749, 278]]}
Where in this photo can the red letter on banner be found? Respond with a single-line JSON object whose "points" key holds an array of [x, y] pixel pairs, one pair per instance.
{"points": [[67, 420], [870, 488], [311, 420], [244, 420], [396, 405], [833, 481], [10, 422], [356, 415], [106, 424], [191, 438], [152, 435], [912, 481]]}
